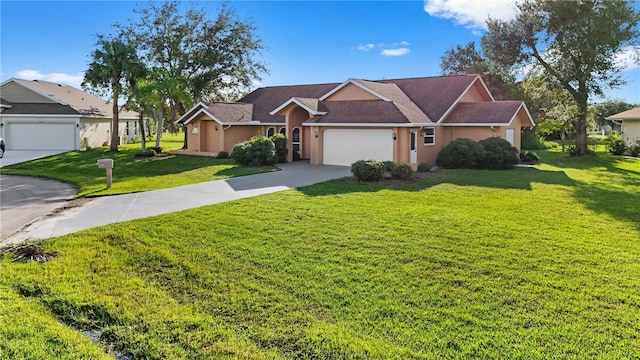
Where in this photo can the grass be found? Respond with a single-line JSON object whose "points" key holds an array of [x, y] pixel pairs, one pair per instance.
{"points": [[531, 263], [130, 173]]}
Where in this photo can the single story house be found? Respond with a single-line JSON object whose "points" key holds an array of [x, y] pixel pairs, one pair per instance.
{"points": [[630, 124], [41, 115], [402, 120]]}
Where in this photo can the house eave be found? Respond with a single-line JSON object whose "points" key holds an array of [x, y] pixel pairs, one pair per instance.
{"points": [[386, 125]]}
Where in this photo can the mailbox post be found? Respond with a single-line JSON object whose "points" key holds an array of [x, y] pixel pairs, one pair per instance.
{"points": [[106, 164]]}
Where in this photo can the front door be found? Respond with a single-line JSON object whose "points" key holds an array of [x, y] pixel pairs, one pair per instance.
{"points": [[413, 154]]}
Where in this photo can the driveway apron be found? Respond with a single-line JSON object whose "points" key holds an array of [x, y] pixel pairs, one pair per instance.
{"points": [[113, 209]]}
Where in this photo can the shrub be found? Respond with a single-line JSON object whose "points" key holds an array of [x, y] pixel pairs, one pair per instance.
{"points": [[402, 171], [157, 149], [369, 170], [280, 143], [614, 143], [461, 153], [424, 167], [634, 148], [240, 153], [389, 166], [222, 155], [529, 157], [258, 151], [501, 155], [531, 141], [146, 153]]}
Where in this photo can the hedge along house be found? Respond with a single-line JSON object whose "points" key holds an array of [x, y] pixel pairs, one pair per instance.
{"points": [[402, 120]]}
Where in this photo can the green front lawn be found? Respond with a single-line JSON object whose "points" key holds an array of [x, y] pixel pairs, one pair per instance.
{"points": [[524, 264], [130, 173]]}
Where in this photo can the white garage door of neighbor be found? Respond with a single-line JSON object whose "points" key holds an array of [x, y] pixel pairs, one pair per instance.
{"points": [[40, 136], [346, 146]]}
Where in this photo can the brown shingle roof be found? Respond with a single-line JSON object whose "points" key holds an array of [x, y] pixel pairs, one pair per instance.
{"points": [[498, 112], [360, 112], [434, 95], [82, 102], [631, 114], [39, 109], [267, 99], [392, 92], [230, 112]]}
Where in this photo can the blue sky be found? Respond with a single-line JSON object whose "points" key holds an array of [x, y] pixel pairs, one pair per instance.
{"points": [[308, 42]]}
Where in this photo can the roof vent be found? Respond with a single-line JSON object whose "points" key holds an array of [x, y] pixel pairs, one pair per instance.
{"points": [[60, 85]]}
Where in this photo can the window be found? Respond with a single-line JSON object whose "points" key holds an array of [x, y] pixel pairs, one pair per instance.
{"points": [[429, 135], [127, 128], [270, 131], [296, 140], [283, 131]]}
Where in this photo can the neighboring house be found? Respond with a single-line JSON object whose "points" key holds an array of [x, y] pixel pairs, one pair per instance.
{"points": [[630, 124], [41, 115], [402, 120]]}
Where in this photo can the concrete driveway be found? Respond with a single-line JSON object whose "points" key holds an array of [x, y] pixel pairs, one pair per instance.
{"points": [[112, 209], [17, 156], [24, 199]]}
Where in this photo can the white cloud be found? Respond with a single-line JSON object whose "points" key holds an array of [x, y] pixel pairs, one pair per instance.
{"points": [[628, 58], [366, 47], [401, 43], [395, 52], [471, 13], [61, 78]]}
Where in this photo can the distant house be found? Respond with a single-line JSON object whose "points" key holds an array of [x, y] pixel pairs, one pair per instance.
{"points": [[630, 124], [41, 115], [402, 120]]}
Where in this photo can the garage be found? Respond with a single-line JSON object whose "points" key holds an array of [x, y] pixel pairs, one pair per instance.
{"points": [[346, 146], [40, 136]]}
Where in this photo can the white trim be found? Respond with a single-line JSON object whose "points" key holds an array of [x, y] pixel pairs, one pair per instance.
{"points": [[269, 123], [199, 112], [385, 125], [45, 116], [446, 113], [199, 104], [479, 124], [526, 109], [424, 135], [17, 81], [267, 132], [354, 82], [299, 103]]}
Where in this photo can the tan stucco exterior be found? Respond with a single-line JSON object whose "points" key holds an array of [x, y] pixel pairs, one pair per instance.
{"points": [[212, 137], [630, 130]]}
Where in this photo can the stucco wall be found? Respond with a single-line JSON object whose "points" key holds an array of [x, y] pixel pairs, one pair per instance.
{"points": [[237, 134], [476, 93], [351, 92], [630, 130]]}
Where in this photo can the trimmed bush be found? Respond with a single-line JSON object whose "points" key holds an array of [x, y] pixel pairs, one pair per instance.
{"points": [[222, 155], [461, 153], [389, 166], [424, 167], [634, 148], [146, 153], [529, 157], [402, 171], [501, 155], [280, 142], [369, 170], [258, 151]]}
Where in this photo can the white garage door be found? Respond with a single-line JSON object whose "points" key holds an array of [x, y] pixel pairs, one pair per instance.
{"points": [[40, 136], [346, 146]]}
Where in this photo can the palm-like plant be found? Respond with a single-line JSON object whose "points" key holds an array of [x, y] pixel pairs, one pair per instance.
{"points": [[115, 66]]}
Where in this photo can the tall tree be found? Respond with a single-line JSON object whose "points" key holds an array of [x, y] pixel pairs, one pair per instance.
{"points": [[575, 42], [217, 59], [115, 67], [470, 60]]}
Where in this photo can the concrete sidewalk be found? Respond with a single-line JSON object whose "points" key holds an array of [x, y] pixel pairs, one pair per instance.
{"points": [[117, 208]]}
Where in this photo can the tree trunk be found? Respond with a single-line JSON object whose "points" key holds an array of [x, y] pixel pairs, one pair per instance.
{"points": [[185, 144], [159, 129], [580, 124], [141, 123], [115, 122]]}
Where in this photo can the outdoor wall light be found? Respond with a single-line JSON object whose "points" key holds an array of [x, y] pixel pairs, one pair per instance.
{"points": [[315, 134], [216, 127], [393, 135]]}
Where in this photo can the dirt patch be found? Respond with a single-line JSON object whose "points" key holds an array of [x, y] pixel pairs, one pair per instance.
{"points": [[29, 252]]}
